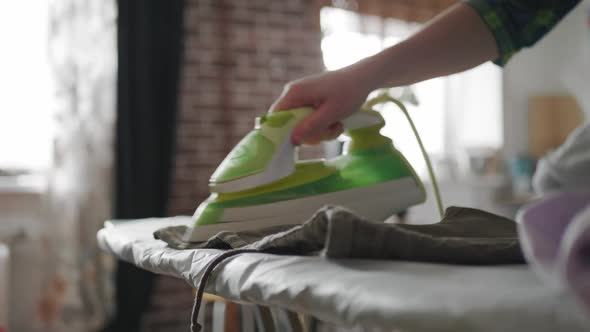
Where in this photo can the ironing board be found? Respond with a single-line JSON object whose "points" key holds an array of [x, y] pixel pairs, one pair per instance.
{"points": [[383, 295]]}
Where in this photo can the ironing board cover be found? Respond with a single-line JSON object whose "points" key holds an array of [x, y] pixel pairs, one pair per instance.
{"points": [[373, 294]]}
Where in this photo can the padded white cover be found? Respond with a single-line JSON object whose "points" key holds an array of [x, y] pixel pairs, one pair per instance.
{"points": [[567, 168], [378, 294]]}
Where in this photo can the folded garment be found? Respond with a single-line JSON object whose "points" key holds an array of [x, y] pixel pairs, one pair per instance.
{"points": [[555, 236], [464, 236]]}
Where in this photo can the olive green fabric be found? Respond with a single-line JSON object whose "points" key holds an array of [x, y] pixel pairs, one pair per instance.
{"points": [[464, 236]]}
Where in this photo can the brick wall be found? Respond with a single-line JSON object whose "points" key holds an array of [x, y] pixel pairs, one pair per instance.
{"points": [[238, 56]]}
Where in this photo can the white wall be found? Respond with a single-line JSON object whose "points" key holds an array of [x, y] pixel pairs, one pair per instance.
{"points": [[540, 70], [536, 70], [21, 213]]}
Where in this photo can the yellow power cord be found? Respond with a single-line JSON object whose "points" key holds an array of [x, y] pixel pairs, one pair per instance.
{"points": [[385, 98]]}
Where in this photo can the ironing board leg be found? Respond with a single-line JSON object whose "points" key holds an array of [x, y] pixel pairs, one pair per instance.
{"points": [[266, 320], [294, 321], [207, 320], [231, 319], [311, 324]]}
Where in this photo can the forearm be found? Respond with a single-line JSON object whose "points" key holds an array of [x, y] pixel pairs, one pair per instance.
{"points": [[454, 41]]}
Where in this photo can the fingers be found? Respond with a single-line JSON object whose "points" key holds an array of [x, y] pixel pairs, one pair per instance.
{"points": [[335, 130], [321, 92], [332, 132], [294, 95], [318, 125]]}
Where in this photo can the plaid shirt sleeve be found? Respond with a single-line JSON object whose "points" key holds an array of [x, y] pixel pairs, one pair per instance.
{"points": [[520, 23]]}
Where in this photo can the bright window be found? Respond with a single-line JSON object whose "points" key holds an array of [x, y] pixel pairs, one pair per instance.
{"points": [[455, 115], [25, 94]]}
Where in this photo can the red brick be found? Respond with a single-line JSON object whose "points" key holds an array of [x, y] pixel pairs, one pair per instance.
{"points": [[228, 79]]}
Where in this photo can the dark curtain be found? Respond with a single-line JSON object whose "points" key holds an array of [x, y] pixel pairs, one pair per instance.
{"points": [[149, 57]]}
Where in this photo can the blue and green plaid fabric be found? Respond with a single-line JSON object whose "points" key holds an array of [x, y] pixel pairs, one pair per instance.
{"points": [[520, 23]]}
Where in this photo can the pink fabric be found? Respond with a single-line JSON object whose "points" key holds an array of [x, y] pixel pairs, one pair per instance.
{"points": [[555, 238]]}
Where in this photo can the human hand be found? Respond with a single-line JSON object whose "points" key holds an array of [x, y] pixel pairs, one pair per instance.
{"points": [[334, 96]]}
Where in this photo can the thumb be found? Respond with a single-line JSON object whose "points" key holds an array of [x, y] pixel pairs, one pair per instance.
{"points": [[318, 121]]}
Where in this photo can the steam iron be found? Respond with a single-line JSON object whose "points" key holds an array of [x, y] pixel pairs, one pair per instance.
{"points": [[259, 184]]}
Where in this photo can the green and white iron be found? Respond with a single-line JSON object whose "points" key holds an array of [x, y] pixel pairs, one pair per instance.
{"points": [[260, 184]]}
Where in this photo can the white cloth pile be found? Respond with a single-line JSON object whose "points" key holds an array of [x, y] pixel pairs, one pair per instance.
{"points": [[555, 232]]}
